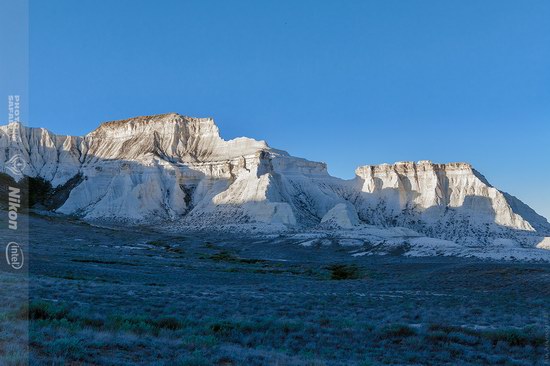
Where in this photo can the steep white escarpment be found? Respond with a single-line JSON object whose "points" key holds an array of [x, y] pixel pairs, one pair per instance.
{"points": [[56, 158], [178, 171], [537, 221], [172, 136], [161, 167], [447, 200]]}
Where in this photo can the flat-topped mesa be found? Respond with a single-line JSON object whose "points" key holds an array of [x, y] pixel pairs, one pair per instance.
{"points": [[404, 167], [431, 189], [423, 184], [171, 136], [163, 117], [159, 122]]}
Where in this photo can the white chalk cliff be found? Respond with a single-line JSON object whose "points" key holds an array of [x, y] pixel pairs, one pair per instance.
{"points": [[178, 171]]}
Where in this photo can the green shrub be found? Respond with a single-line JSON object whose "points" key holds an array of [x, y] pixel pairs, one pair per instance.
{"points": [[42, 310], [92, 322], [224, 256], [135, 324], [397, 331], [169, 322], [66, 347], [222, 328], [516, 337], [157, 243], [344, 272]]}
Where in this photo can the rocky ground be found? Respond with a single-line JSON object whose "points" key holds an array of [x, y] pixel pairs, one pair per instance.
{"points": [[116, 297]]}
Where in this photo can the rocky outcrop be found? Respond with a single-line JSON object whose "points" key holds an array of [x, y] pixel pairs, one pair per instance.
{"points": [[451, 201], [343, 216], [175, 169]]}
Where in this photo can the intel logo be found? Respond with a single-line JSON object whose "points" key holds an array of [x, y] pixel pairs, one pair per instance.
{"points": [[14, 255]]}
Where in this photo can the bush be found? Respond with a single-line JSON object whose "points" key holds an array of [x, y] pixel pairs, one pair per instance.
{"points": [[223, 328], [169, 322], [135, 324], [397, 331], [224, 256], [516, 337], [42, 310], [66, 347], [93, 322], [344, 272]]}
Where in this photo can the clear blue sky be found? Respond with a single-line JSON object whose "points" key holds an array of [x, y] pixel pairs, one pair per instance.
{"points": [[344, 82]]}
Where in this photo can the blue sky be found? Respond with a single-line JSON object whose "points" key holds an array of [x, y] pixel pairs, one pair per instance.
{"points": [[344, 82]]}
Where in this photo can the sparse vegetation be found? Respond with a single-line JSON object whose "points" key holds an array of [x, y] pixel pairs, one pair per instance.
{"points": [[219, 305], [224, 256], [102, 261], [227, 256]]}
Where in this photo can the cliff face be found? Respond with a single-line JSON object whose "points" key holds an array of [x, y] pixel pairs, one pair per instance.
{"points": [[56, 158], [451, 201], [172, 168], [159, 167], [432, 188], [170, 136]]}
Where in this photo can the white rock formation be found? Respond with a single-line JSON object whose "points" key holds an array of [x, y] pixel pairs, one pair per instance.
{"points": [[56, 158], [429, 187], [343, 215], [452, 201], [544, 243], [175, 169]]}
